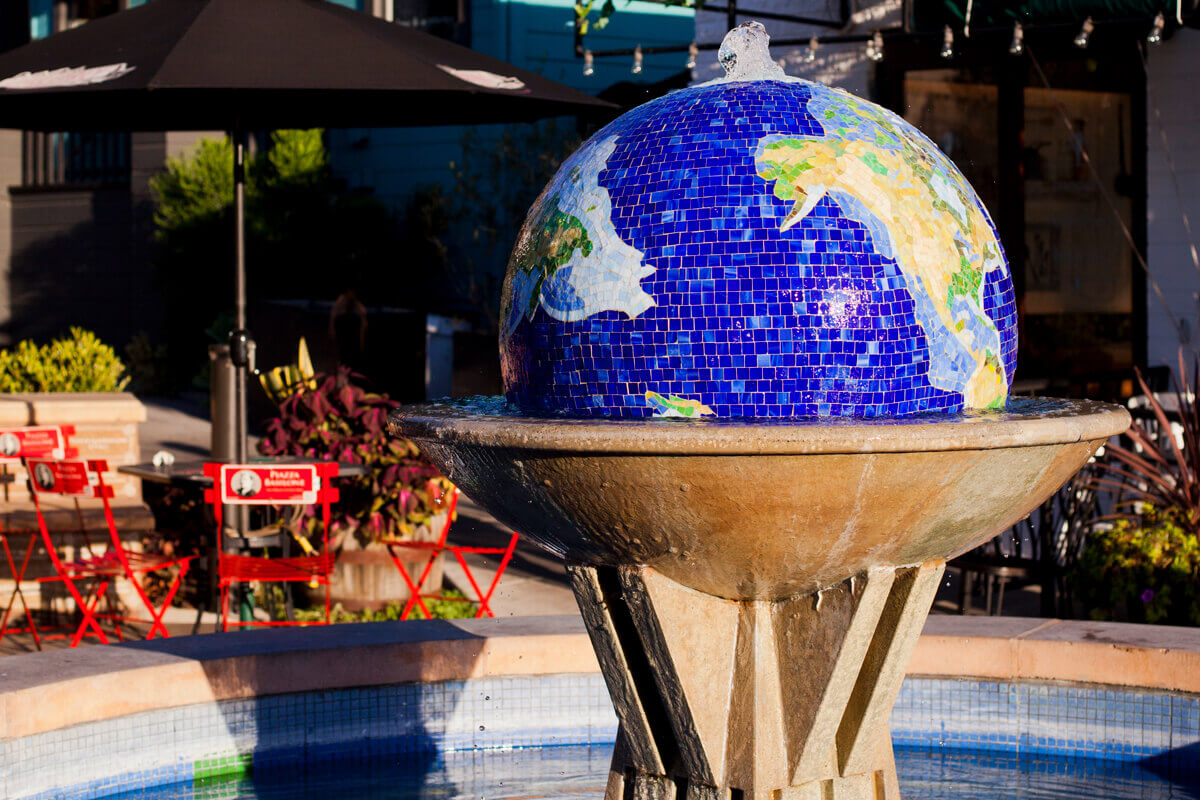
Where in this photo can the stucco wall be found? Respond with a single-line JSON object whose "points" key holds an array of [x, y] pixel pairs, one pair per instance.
{"points": [[1173, 108]]}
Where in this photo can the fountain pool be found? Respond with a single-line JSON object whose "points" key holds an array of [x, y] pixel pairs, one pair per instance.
{"points": [[517, 708], [579, 771]]}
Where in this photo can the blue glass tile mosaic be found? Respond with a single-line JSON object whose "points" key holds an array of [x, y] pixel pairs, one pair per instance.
{"points": [[758, 249]]}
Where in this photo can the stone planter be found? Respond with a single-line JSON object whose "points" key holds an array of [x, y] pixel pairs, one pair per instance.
{"points": [[368, 578]]}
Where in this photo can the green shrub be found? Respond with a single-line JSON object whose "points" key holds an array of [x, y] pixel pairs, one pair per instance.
{"points": [[78, 363], [1143, 569], [459, 608]]}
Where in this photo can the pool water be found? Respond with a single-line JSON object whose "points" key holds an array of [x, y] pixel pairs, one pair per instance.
{"points": [[580, 772]]}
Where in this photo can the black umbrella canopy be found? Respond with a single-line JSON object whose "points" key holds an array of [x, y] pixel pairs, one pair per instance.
{"points": [[263, 64]]}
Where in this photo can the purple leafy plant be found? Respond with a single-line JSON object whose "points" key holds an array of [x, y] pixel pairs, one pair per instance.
{"points": [[340, 421]]}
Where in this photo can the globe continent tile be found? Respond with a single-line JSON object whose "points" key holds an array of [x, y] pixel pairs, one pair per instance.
{"points": [[681, 263]]}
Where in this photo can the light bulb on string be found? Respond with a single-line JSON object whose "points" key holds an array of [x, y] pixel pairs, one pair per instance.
{"points": [[637, 60], [947, 43], [589, 67], [875, 47], [693, 52], [1156, 32], [1085, 33], [811, 55], [1017, 45]]}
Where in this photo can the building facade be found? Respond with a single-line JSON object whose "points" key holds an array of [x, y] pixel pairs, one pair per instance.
{"points": [[1085, 153], [76, 210]]}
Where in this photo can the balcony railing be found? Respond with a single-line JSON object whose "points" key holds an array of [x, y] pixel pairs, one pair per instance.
{"points": [[74, 159]]}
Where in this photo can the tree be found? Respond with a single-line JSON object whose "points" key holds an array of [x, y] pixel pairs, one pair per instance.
{"points": [[306, 236]]}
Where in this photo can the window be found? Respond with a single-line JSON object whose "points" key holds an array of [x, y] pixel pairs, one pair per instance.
{"points": [[72, 159]]}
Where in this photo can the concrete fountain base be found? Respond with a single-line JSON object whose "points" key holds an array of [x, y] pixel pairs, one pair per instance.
{"points": [[762, 699], [754, 589]]}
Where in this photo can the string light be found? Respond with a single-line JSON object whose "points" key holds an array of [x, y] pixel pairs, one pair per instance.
{"points": [[875, 47], [1017, 45], [811, 55], [1085, 33], [1156, 32]]}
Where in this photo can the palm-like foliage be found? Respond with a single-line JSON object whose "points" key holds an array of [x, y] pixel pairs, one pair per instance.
{"points": [[1162, 468]]}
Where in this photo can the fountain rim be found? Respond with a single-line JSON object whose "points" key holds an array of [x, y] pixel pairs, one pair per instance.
{"points": [[1074, 421]]}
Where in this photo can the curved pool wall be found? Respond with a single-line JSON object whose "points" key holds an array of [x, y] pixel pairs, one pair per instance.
{"points": [[99, 720]]}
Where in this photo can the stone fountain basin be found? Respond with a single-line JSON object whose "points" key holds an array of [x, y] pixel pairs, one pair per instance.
{"points": [[761, 510]]}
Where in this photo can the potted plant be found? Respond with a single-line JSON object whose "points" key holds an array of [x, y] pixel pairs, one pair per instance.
{"points": [[401, 496]]}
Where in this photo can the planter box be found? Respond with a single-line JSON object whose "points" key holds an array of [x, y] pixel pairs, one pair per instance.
{"points": [[106, 426]]}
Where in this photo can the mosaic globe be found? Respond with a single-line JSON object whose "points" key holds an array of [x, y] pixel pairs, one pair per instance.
{"points": [[758, 248]]}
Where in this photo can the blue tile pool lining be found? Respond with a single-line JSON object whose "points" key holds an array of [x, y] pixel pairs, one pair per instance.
{"points": [[229, 736]]}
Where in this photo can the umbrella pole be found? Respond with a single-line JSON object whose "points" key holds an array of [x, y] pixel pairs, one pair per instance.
{"points": [[239, 344], [241, 348]]}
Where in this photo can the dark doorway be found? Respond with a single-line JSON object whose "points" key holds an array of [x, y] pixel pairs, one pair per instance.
{"points": [[1066, 226]]}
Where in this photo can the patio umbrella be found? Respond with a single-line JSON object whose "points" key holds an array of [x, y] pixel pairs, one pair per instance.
{"points": [[240, 65]]}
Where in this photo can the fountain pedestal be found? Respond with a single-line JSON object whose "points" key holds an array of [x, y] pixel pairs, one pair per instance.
{"points": [[753, 589], [753, 699]]}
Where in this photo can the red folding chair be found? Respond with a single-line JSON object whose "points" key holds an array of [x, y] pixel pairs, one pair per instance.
{"points": [[15, 444], [18, 574], [80, 478], [436, 548], [274, 485]]}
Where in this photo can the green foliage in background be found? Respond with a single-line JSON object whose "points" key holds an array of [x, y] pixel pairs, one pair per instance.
{"points": [[459, 608], [307, 236], [587, 22], [78, 363], [1143, 570], [194, 189]]}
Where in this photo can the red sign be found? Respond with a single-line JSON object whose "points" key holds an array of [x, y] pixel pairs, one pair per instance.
{"points": [[60, 477], [45, 441], [252, 484]]}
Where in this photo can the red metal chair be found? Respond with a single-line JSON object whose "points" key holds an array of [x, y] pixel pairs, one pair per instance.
{"points": [[16, 444], [436, 548], [80, 478], [275, 485]]}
